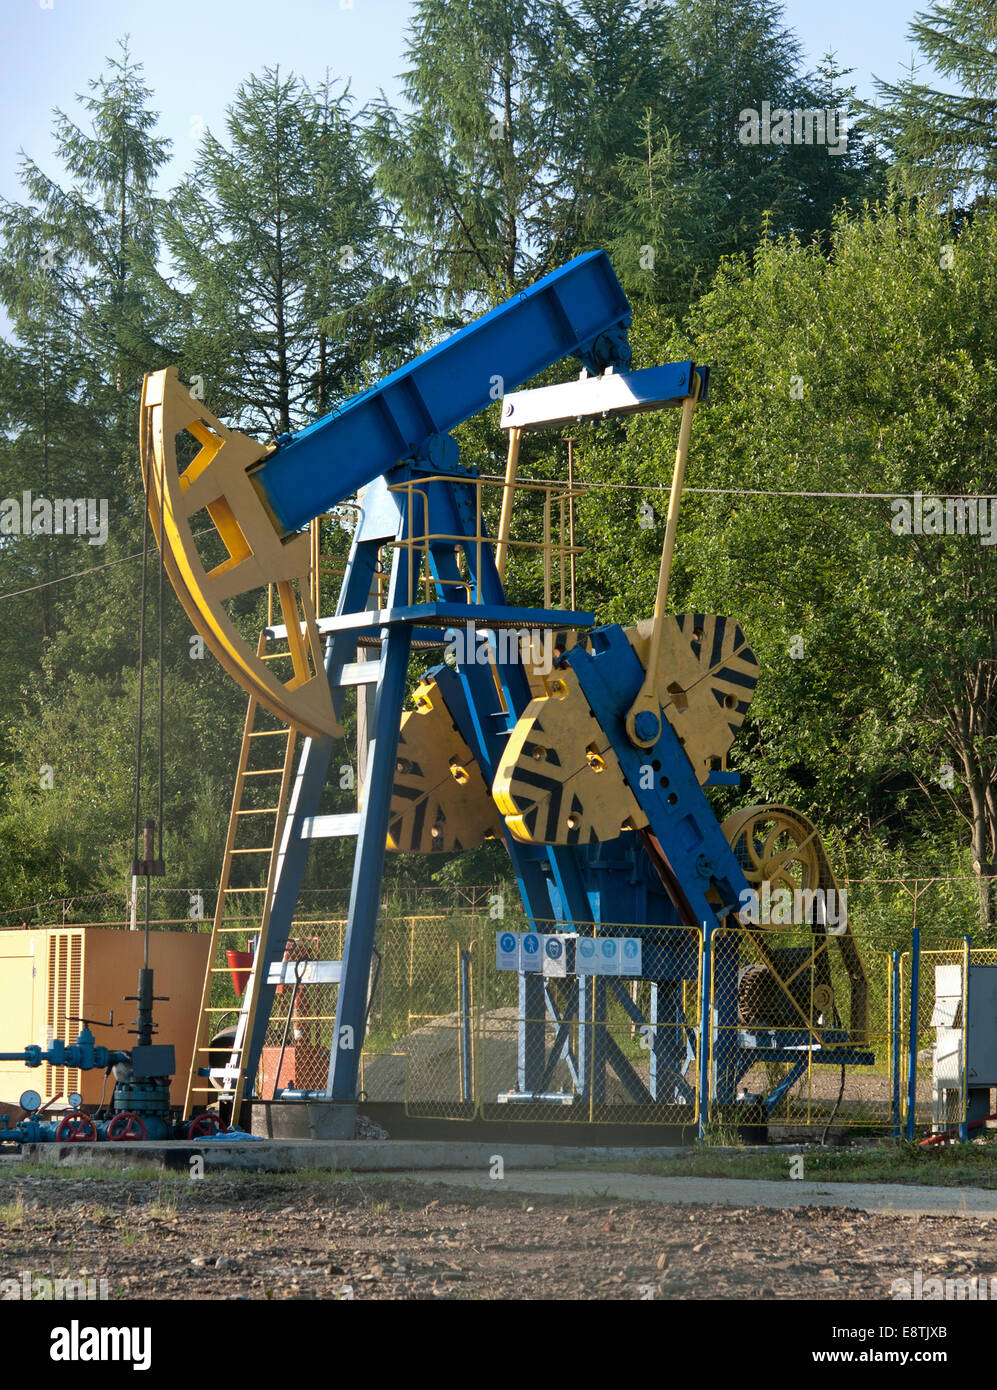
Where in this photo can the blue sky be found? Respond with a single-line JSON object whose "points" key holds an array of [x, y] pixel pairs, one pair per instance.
{"points": [[195, 53]]}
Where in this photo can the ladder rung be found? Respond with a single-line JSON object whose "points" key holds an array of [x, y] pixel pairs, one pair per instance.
{"points": [[231, 1078]]}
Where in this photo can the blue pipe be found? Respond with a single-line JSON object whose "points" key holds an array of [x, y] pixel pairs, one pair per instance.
{"points": [[895, 1038]]}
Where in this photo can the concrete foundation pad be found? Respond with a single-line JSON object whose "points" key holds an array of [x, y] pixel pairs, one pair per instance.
{"points": [[531, 1169], [890, 1198], [287, 1155]]}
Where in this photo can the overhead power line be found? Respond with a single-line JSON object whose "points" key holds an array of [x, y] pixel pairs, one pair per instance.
{"points": [[64, 578], [80, 574], [762, 492], [613, 487]]}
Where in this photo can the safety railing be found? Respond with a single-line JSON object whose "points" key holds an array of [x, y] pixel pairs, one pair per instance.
{"points": [[555, 548]]}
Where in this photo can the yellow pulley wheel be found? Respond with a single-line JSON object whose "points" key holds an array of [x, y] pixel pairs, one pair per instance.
{"points": [[559, 782], [439, 800], [778, 846]]}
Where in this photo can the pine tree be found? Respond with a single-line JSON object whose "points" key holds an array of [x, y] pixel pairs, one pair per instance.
{"points": [[98, 242], [664, 202], [615, 74], [363, 317], [472, 168], [75, 264], [280, 299], [729, 58], [696, 190]]}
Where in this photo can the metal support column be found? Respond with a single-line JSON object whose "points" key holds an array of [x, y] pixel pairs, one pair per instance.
{"points": [[915, 973], [365, 894], [705, 1025]]}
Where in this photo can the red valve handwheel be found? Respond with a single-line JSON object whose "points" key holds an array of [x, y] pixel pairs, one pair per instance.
{"points": [[76, 1128], [204, 1125], [127, 1125]]}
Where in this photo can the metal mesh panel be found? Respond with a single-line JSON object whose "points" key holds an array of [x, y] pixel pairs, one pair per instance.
{"points": [[805, 1033], [299, 1033], [592, 1044]]}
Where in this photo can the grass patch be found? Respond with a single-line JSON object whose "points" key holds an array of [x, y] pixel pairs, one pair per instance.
{"points": [[171, 1184], [12, 1213], [970, 1165], [164, 1208], [97, 1172], [282, 1177]]}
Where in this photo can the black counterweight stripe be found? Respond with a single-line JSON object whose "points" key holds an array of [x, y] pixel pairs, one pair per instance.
{"points": [[728, 673], [418, 821], [529, 778], [718, 641], [553, 815]]}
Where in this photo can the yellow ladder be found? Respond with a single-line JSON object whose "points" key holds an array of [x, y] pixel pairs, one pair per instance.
{"points": [[251, 784]]}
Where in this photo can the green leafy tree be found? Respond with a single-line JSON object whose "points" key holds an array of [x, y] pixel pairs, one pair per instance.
{"points": [[866, 370]]}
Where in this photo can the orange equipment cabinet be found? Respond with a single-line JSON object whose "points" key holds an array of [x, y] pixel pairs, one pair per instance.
{"points": [[51, 974]]}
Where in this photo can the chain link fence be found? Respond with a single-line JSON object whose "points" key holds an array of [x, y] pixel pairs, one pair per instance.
{"points": [[803, 1031]]}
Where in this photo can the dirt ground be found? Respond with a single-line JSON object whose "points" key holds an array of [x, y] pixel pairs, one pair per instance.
{"points": [[278, 1238]]}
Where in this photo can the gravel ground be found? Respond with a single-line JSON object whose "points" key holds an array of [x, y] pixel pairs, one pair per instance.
{"points": [[394, 1239]]}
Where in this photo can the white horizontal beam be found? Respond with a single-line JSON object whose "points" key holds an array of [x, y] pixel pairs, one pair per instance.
{"points": [[613, 393], [315, 972]]}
